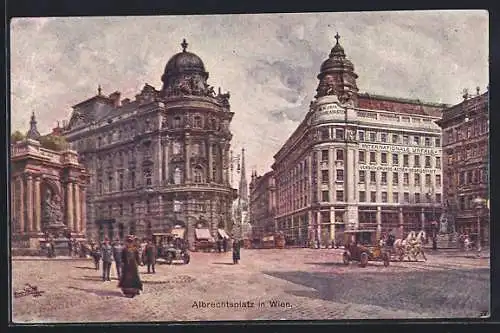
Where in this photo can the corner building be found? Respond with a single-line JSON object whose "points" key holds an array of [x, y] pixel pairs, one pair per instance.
{"points": [[159, 161], [358, 161]]}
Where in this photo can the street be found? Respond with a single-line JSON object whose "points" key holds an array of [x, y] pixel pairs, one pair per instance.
{"points": [[289, 284]]}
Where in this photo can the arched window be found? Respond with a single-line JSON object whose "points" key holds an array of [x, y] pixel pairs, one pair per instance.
{"points": [[198, 175], [148, 177], [197, 122], [177, 122], [176, 147], [177, 176]]}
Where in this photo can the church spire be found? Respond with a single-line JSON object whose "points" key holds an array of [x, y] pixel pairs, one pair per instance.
{"points": [[243, 188], [33, 131]]}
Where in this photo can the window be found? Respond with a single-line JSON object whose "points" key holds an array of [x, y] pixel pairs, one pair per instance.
{"points": [[177, 176], [110, 183], [361, 135], [362, 155], [395, 178], [148, 207], [383, 157], [325, 196], [373, 136], [121, 209], [417, 179], [438, 162], [438, 180], [324, 176], [406, 197], [132, 208], [416, 140], [325, 133], [406, 139], [197, 122], [339, 134], [177, 206], [416, 162], [384, 196], [406, 178], [340, 195], [99, 141], [427, 142], [147, 177], [469, 177], [110, 210], [177, 122], [324, 155], [362, 176], [427, 179], [405, 160], [340, 154], [99, 186], [384, 177], [438, 197], [198, 175], [340, 175], [395, 159], [437, 142], [372, 157], [417, 197], [383, 137], [373, 178], [395, 138], [427, 161], [395, 197], [120, 185], [373, 196], [462, 178], [362, 196], [132, 179]]}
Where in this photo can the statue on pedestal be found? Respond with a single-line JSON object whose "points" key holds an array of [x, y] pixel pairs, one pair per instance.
{"points": [[52, 214]]}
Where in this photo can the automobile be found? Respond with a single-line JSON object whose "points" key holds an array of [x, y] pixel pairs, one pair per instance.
{"points": [[171, 248], [363, 246]]}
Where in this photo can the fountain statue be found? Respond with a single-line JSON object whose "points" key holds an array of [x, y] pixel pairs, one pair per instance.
{"points": [[54, 228]]}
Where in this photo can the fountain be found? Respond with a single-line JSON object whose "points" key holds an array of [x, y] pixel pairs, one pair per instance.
{"points": [[55, 230]]}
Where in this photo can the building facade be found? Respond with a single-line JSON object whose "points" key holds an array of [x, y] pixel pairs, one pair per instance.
{"points": [[358, 161], [47, 187], [466, 164], [262, 204], [160, 160]]}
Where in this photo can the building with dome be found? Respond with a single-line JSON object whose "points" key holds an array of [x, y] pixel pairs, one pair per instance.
{"points": [[159, 161], [358, 161]]}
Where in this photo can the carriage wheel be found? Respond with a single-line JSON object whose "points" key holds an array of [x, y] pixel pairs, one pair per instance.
{"points": [[363, 259], [186, 259], [346, 258], [385, 258]]}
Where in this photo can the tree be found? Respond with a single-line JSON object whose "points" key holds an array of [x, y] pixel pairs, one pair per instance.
{"points": [[16, 136], [54, 142]]}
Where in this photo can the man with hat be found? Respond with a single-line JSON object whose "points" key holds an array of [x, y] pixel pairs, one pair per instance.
{"points": [[107, 259]]}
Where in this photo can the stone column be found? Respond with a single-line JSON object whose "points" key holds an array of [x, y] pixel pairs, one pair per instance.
{"points": [[77, 219], [38, 204], [187, 173], [331, 174], [83, 205], [332, 223], [318, 225], [166, 147], [350, 171], [422, 218], [379, 221], [210, 161], [158, 162], [69, 206], [20, 209], [29, 203]]}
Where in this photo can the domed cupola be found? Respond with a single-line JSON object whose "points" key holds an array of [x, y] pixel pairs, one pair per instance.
{"points": [[185, 74], [337, 76]]}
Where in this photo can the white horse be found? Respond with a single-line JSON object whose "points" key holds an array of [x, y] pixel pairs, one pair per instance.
{"points": [[467, 244], [402, 246], [418, 246]]}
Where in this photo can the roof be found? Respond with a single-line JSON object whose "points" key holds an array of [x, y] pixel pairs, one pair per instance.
{"points": [[477, 103], [400, 105]]}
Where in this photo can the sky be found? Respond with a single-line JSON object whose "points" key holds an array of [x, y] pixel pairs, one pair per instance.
{"points": [[268, 62]]}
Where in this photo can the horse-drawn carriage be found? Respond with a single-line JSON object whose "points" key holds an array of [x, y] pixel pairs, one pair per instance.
{"points": [[410, 247], [363, 246]]}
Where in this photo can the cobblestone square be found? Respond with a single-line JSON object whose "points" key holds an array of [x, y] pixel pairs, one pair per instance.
{"points": [[290, 284]]}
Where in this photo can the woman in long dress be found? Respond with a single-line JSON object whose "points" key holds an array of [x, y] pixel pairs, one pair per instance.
{"points": [[130, 282], [236, 251]]}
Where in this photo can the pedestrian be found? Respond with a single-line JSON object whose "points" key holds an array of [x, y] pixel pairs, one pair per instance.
{"points": [[52, 249], [117, 256], [130, 282], [219, 245], [107, 259], [236, 251], [96, 254], [150, 256], [70, 246], [224, 244]]}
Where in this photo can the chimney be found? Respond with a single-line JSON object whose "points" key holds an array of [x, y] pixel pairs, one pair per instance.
{"points": [[115, 98], [477, 91]]}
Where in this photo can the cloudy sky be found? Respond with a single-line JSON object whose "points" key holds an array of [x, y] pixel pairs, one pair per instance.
{"points": [[268, 62]]}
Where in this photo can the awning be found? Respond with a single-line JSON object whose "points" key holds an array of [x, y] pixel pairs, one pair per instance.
{"points": [[178, 232], [202, 234], [223, 233], [268, 239]]}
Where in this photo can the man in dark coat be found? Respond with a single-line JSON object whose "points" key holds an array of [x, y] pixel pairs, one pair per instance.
{"points": [[96, 254], [224, 244], [236, 251], [150, 256], [107, 259], [117, 256], [130, 283]]}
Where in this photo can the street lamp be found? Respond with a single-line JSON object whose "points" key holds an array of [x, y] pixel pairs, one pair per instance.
{"points": [[479, 202]]}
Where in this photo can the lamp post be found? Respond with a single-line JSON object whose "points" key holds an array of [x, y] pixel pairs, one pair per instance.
{"points": [[479, 202]]}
